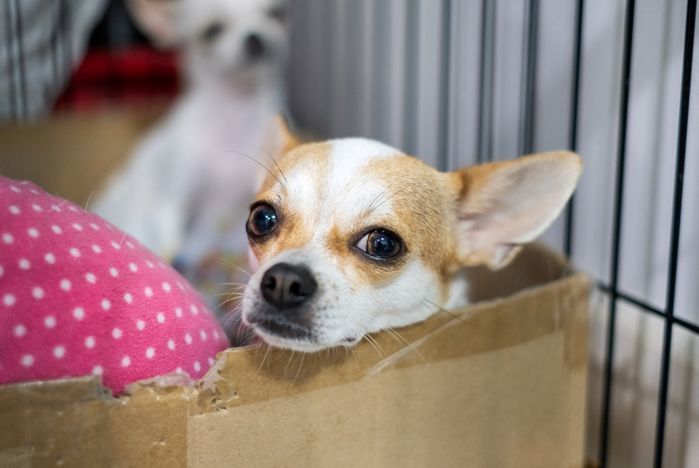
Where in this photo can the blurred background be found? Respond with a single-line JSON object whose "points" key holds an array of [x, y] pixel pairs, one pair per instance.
{"points": [[454, 82]]}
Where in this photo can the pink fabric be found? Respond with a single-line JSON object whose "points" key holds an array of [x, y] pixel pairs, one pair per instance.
{"points": [[78, 296]]}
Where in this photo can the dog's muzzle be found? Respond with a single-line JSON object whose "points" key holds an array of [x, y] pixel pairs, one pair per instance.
{"points": [[286, 288]]}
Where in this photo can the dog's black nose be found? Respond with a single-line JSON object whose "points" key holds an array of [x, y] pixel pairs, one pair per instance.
{"points": [[285, 285], [254, 46]]}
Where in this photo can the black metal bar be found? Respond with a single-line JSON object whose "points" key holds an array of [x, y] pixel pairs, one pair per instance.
{"points": [[574, 115], [528, 114], [20, 50], [643, 305], [676, 229], [10, 61], [485, 100], [616, 236], [633, 300], [686, 325]]}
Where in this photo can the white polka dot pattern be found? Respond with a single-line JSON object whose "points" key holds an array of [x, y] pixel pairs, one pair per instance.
{"points": [[79, 297]]}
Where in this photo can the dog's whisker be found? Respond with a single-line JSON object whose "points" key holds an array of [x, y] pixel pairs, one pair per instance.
{"points": [[373, 344], [274, 160], [233, 286], [227, 293], [230, 316], [89, 199], [298, 371], [58, 207], [233, 291], [291, 357], [220, 306], [230, 299], [262, 363], [227, 262], [261, 165], [439, 308], [408, 344], [126, 233], [380, 199]]}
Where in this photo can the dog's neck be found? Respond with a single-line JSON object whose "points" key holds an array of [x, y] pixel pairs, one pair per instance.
{"points": [[226, 113], [215, 92]]}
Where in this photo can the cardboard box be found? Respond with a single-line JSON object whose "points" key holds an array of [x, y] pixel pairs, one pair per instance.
{"points": [[73, 155], [500, 383]]}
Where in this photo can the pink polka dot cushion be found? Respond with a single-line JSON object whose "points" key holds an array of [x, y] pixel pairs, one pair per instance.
{"points": [[79, 297]]}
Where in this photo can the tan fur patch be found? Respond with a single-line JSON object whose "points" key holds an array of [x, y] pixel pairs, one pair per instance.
{"points": [[425, 205], [292, 231], [314, 153], [360, 269]]}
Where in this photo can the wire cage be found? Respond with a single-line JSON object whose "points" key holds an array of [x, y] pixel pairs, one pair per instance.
{"points": [[466, 81], [459, 82]]}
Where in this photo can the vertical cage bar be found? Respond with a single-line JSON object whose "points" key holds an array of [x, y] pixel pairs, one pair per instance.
{"points": [[445, 86], [411, 85], [20, 52], [616, 236], [528, 108], [10, 60], [487, 71], [65, 37], [574, 115], [675, 236], [54, 47]]}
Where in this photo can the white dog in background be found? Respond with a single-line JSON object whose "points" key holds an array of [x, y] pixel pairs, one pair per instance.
{"points": [[186, 190]]}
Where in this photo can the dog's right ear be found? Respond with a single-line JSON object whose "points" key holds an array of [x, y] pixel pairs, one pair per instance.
{"points": [[506, 204], [157, 19]]}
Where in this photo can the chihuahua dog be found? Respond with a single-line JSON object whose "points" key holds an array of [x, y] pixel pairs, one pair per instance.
{"points": [[181, 191], [351, 236]]}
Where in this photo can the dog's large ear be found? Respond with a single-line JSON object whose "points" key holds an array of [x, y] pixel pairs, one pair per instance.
{"points": [[157, 19], [287, 139], [506, 204], [279, 140]]}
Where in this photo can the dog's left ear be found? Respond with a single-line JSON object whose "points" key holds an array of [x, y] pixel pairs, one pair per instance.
{"points": [[280, 139], [287, 140], [506, 204]]}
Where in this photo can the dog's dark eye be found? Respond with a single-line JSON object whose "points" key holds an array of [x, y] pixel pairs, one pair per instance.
{"points": [[262, 220], [211, 32], [278, 12], [380, 243]]}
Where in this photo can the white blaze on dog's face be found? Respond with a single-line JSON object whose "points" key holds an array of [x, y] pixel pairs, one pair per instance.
{"points": [[221, 39], [352, 236]]}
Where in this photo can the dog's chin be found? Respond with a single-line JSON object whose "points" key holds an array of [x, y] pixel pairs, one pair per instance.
{"points": [[303, 344]]}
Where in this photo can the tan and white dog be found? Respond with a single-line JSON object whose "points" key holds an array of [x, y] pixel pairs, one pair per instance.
{"points": [[353, 236]]}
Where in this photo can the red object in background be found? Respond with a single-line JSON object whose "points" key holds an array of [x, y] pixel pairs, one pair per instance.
{"points": [[129, 76]]}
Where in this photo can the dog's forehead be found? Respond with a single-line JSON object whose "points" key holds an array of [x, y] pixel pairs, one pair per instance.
{"points": [[351, 160], [336, 175]]}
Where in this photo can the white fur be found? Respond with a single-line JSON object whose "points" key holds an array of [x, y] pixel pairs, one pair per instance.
{"points": [[186, 189]]}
